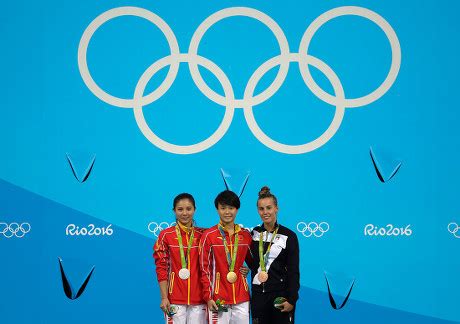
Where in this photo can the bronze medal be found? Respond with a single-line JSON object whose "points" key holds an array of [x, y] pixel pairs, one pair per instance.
{"points": [[262, 276], [263, 257]]}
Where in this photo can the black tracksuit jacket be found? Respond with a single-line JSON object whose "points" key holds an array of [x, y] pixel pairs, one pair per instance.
{"points": [[283, 271]]}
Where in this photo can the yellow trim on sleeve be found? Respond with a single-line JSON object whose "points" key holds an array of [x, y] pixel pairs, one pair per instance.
{"points": [[171, 282], [216, 288]]}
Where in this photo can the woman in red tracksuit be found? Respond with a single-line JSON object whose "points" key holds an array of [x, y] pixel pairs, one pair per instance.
{"points": [[177, 267], [224, 248]]}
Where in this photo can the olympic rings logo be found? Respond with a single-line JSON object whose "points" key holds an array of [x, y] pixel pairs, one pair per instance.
{"points": [[454, 229], [249, 100], [313, 228], [156, 228], [14, 229]]}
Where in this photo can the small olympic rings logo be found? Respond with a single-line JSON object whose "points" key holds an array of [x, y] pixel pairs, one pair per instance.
{"points": [[156, 228], [454, 229], [313, 228], [14, 229], [249, 100], [249, 229]]}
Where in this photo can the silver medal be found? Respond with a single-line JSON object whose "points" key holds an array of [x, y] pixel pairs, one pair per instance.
{"points": [[184, 273]]}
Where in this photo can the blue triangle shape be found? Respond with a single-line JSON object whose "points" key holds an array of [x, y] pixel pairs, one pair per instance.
{"points": [[81, 164], [339, 287], [385, 164], [235, 179], [73, 274]]}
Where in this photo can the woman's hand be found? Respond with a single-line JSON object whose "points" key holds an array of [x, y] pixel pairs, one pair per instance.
{"points": [[212, 305], [286, 307], [164, 305], [244, 271]]}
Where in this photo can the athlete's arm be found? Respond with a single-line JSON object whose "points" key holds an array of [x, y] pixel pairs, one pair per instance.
{"points": [[249, 257], [164, 305], [212, 305], [293, 273], [206, 260], [161, 256]]}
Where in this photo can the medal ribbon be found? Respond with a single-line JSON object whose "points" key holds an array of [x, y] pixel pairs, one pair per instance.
{"points": [[263, 258], [183, 258], [231, 260]]}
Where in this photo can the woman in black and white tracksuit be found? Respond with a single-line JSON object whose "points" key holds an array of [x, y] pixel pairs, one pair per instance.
{"points": [[275, 266]]}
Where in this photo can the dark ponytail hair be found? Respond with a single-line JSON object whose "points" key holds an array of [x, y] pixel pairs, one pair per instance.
{"points": [[265, 193]]}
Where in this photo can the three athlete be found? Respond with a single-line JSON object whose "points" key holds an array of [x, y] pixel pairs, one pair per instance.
{"points": [[201, 273]]}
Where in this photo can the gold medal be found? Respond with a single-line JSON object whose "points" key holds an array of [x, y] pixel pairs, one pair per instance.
{"points": [[231, 277], [262, 276], [231, 258]]}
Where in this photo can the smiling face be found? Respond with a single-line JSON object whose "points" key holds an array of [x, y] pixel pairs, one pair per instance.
{"points": [[267, 210], [226, 213], [184, 211]]}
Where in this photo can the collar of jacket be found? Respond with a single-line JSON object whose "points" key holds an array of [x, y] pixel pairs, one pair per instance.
{"points": [[274, 227], [185, 228], [236, 227]]}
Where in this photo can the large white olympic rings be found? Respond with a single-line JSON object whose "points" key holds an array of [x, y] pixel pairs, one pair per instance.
{"points": [[102, 19], [148, 133], [228, 100], [395, 56], [319, 141], [14, 229], [267, 21]]}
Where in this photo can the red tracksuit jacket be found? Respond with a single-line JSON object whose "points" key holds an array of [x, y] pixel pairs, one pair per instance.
{"points": [[168, 263], [214, 265]]}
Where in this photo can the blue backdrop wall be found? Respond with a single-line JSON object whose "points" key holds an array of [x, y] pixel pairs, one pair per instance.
{"points": [[346, 110]]}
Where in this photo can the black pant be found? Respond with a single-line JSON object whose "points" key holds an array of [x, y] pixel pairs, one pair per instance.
{"points": [[263, 311]]}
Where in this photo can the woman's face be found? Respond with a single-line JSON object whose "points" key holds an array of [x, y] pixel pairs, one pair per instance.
{"points": [[226, 213], [267, 210], [184, 211]]}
